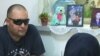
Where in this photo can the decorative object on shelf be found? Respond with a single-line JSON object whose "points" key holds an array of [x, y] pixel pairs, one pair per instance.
{"points": [[59, 17], [44, 17], [95, 19], [58, 12], [74, 15]]}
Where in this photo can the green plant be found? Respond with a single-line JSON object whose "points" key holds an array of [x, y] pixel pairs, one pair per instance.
{"points": [[44, 17]]}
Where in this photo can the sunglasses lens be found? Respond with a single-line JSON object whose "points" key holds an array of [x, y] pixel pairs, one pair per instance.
{"points": [[26, 21], [19, 21]]}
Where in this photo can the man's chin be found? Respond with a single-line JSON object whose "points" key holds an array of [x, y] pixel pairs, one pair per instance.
{"points": [[22, 34]]}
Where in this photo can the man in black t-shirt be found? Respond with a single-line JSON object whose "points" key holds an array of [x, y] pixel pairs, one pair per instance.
{"points": [[17, 37]]}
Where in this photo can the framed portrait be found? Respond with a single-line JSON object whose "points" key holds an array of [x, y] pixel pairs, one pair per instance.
{"points": [[74, 15], [95, 19]]}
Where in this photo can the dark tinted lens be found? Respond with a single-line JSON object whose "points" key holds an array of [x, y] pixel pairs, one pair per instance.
{"points": [[20, 21], [17, 22], [26, 21]]}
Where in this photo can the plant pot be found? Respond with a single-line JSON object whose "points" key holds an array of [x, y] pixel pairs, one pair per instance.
{"points": [[44, 22]]}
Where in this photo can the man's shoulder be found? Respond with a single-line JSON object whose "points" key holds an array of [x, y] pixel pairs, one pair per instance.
{"points": [[3, 28], [32, 27], [3, 32], [32, 32]]}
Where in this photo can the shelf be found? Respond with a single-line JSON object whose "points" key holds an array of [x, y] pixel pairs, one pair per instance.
{"points": [[43, 28]]}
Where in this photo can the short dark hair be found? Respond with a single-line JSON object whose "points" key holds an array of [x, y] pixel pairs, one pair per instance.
{"points": [[15, 6], [78, 13]]}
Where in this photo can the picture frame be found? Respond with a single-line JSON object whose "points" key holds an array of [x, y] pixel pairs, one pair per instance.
{"points": [[74, 15], [59, 17], [95, 18]]}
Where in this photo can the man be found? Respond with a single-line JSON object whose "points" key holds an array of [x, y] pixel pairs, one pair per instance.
{"points": [[17, 37]]}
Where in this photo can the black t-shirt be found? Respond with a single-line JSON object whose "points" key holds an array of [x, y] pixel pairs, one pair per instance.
{"points": [[31, 44]]}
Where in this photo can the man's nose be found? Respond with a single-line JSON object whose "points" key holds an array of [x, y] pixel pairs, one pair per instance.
{"points": [[22, 25]]}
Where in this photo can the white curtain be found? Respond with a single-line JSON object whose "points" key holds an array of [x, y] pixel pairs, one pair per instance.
{"points": [[45, 5]]}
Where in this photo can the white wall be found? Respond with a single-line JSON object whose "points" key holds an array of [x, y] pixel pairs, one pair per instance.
{"points": [[55, 44]]}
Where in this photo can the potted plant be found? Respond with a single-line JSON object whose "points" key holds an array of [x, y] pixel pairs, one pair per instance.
{"points": [[44, 17]]}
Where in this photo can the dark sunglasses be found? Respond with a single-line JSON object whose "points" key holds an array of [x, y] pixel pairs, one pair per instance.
{"points": [[20, 21]]}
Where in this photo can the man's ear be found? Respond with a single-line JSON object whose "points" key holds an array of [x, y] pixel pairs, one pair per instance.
{"points": [[6, 21]]}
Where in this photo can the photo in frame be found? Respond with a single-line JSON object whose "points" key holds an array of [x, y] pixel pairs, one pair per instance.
{"points": [[74, 15], [95, 18]]}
